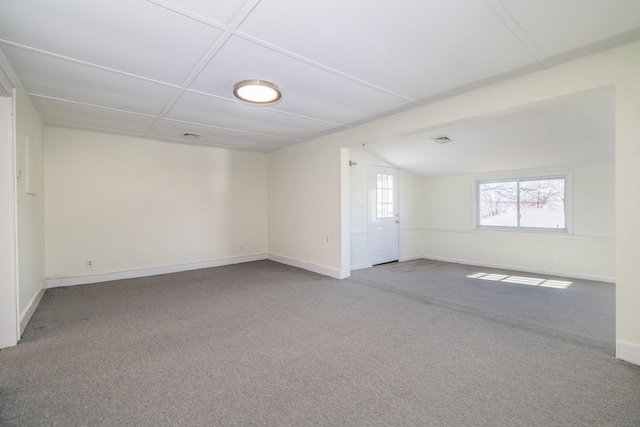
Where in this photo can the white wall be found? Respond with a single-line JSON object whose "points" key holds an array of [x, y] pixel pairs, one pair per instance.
{"points": [[627, 80], [22, 166], [305, 207], [410, 207], [358, 207], [127, 203], [410, 216], [587, 252], [30, 206]]}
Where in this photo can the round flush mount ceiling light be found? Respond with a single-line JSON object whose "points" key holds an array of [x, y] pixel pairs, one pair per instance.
{"points": [[257, 92]]}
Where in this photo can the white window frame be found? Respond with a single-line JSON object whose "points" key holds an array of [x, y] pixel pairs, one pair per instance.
{"points": [[568, 203]]}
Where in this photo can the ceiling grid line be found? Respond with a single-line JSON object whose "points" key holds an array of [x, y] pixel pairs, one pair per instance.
{"points": [[202, 144], [215, 48], [288, 113], [248, 132], [141, 135], [280, 50], [194, 16], [517, 31], [85, 63], [320, 66], [84, 104], [168, 66], [93, 128]]}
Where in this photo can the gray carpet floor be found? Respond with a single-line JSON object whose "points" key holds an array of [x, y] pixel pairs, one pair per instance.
{"points": [[266, 344]]}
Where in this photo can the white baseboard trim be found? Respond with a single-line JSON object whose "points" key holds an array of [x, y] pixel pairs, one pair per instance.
{"points": [[411, 258], [153, 271], [28, 313], [360, 266], [305, 265], [628, 352], [606, 279]]}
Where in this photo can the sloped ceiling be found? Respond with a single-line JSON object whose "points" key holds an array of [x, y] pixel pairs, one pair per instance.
{"points": [[572, 131], [158, 69]]}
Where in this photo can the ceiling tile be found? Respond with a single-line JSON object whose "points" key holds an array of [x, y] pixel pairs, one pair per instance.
{"points": [[174, 130], [137, 37], [307, 90], [561, 27], [196, 108], [53, 77], [417, 49], [339, 64], [75, 115]]}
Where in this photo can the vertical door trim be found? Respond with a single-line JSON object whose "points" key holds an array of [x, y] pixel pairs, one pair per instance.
{"points": [[9, 325]]}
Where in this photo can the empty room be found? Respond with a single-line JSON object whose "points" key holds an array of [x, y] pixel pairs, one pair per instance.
{"points": [[270, 212]]}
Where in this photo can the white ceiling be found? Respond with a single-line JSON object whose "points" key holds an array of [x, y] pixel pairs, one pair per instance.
{"points": [[570, 131], [160, 68]]}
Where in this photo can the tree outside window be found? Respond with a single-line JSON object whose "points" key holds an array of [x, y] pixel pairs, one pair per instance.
{"points": [[522, 203]]}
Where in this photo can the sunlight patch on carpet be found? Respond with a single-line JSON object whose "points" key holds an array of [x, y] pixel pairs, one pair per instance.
{"points": [[521, 280]]}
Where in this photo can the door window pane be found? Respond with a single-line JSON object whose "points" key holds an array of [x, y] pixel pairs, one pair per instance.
{"points": [[384, 196]]}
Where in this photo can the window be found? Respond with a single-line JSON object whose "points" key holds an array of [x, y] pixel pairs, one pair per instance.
{"points": [[523, 203], [384, 196]]}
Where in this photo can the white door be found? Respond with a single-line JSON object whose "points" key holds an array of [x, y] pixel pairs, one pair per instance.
{"points": [[383, 214]]}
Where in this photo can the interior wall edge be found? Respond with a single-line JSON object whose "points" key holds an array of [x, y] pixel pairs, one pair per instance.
{"points": [[9, 327], [628, 352], [25, 317], [9, 79]]}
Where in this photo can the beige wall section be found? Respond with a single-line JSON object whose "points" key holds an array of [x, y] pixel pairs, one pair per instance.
{"points": [[345, 214], [30, 191], [127, 203], [588, 252], [305, 208], [410, 216], [628, 205]]}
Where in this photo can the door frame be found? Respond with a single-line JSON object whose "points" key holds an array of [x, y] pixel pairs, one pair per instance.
{"points": [[371, 206], [9, 312]]}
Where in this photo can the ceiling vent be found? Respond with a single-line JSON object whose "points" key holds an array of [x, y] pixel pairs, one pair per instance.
{"points": [[192, 135], [442, 139]]}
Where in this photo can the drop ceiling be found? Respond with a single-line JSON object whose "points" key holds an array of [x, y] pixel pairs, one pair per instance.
{"points": [[158, 69]]}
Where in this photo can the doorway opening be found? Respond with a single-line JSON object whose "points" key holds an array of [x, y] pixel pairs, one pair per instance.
{"points": [[384, 216]]}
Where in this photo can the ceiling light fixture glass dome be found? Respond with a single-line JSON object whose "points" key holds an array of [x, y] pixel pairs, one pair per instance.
{"points": [[257, 92]]}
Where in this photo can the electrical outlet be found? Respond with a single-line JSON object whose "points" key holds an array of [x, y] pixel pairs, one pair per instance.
{"points": [[89, 263], [241, 248]]}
